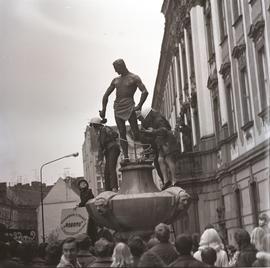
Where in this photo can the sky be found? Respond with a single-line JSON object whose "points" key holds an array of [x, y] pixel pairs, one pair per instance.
{"points": [[55, 65]]}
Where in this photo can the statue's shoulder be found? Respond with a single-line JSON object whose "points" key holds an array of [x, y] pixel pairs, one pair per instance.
{"points": [[116, 80], [135, 76]]}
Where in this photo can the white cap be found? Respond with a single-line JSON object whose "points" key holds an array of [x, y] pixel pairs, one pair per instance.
{"points": [[145, 112], [95, 121]]}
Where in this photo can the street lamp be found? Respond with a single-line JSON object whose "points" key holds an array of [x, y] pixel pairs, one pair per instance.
{"points": [[41, 190]]}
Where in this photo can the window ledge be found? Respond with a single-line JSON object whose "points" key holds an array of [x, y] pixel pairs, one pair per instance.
{"points": [[247, 125], [265, 112], [224, 39], [237, 21], [229, 139]]}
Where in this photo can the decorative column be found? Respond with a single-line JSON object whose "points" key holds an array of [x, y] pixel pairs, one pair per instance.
{"points": [[218, 56], [201, 69]]}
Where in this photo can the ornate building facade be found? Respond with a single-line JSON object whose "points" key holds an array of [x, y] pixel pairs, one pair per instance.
{"points": [[213, 86]]}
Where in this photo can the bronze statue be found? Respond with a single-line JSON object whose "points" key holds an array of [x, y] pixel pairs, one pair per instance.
{"points": [[124, 106]]}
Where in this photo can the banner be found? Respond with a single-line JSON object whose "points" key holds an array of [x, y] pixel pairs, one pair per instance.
{"points": [[73, 222]]}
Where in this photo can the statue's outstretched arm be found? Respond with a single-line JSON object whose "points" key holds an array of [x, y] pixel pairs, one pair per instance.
{"points": [[105, 98]]}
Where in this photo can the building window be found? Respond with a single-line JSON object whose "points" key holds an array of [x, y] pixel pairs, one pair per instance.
{"points": [[263, 78], [217, 116], [222, 20], [245, 96], [210, 38], [236, 8], [231, 110]]}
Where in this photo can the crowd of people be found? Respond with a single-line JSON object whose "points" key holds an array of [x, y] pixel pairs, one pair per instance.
{"points": [[114, 250]]}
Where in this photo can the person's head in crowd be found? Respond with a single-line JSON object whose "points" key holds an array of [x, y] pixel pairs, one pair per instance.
{"points": [[106, 234], [183, 244], [122, 256], [150, 259], [41, 252], [263, 220], [53, 253], [137, 246], [27, 251], [84, 242], [70, 249], [103, 248], [162, 232], [231, 251], [152, 242], [242, 238], [210, 237], [209, 256], [256, 237], [195, 241]]}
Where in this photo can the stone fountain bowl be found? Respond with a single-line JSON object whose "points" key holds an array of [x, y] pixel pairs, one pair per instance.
{"points": [[139, 205]]}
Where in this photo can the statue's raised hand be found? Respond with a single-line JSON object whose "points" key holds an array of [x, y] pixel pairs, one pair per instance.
{"points": [[102, 114]]}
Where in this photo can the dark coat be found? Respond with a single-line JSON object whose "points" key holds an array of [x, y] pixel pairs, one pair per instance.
{"points": [[166, 252], [85, 195], [187, 261], [247, 256]]}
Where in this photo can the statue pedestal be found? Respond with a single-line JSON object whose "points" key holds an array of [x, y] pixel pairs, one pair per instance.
{"points": [[139, 206]]}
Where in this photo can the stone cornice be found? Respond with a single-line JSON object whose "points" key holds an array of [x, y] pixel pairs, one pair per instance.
{"points": [[256, 30], [238, 51], [225, 69]]}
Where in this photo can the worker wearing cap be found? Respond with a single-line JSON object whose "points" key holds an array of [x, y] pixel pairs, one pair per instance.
{"points": [[108, 148], [155, 124]]}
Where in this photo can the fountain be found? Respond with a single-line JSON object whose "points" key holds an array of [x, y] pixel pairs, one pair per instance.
{"points": [[139, 205]]}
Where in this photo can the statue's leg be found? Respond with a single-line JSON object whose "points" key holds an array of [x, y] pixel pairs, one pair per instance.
{"points": [[134, 126], [171, 164], [123, 138], [113, 157], [163, 168], [158, 169]]}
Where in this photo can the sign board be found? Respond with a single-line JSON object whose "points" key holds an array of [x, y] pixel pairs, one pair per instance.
{"points": [[73, 222], [22, 235]]}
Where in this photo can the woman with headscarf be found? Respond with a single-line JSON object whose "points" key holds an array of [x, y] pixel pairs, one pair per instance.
{"points": [[210, 238]]}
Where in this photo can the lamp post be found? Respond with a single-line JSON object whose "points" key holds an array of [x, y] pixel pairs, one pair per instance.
{"points": [[41, 189]]}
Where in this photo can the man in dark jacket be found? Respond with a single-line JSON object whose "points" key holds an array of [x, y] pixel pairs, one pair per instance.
{"points": [[107, 146], [183, 245], [248, 252], [164, 249]]}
